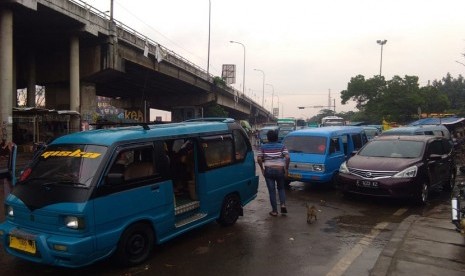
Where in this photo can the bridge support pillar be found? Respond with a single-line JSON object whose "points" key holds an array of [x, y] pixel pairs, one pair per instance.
{"points": [[74, 97], [31, 81], [6, 73], [88, 104]]}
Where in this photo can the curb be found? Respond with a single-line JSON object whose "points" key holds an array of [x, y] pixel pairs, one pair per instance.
{"points": [[388, 255]]}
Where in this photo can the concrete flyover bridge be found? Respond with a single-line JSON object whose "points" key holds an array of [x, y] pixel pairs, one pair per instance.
{"points": [[78, 53]]}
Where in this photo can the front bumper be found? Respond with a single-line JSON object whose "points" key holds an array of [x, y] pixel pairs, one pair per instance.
{"points": [[80, 251], [385, 187]]}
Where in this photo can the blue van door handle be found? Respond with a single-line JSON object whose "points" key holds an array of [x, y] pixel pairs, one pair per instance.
{"points": [[155, 187]]}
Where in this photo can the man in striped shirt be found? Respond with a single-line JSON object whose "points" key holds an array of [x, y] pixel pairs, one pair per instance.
{"points": [[273, 159]]}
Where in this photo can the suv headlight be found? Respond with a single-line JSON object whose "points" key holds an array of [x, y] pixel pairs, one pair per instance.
{"points": [[407, 173], [343, 168]]}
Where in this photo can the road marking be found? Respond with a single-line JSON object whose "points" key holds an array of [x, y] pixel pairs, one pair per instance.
{"points": [[400, 212], [347, 260]]}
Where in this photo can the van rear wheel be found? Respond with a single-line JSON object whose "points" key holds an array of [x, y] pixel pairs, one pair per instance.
{"points": [[135, 245], [230, 210]]}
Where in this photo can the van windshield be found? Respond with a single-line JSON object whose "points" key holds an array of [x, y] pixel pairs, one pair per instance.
{"points": [[306, 144], [65, 165], [283, 132], [263, 132]]}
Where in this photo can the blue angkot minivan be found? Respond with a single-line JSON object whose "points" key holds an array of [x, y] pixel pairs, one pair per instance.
{"points": [[118, 192], [317, 153]]}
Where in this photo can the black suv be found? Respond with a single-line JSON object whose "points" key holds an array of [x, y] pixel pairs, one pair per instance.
{"points": [[400, 166]]}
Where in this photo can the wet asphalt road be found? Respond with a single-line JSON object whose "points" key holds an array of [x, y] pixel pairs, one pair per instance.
{"points": [[345, 240]]}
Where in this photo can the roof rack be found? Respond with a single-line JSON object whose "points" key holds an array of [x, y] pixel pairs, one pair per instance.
{"points": [[100, 125], [212, 119]]}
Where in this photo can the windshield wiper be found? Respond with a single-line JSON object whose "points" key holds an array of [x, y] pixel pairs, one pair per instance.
{"points": [[33, 179]]}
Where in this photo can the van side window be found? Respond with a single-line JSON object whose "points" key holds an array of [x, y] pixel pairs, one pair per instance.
{"points": [[134, 163], [240, 145], [345, 143], [217, 150], [334, 145], [438, 133], [141, 164], [357, 139]]}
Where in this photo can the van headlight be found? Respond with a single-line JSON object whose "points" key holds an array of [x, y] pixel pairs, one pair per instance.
{"points": [[407, 173], [74, 222], [343, 168], [318, 167], [9, 211]]}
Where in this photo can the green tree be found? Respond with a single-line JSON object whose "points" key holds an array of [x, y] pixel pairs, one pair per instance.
{"points": [[434, 101], [362, 91], [396, 100], [455, 91], [215, 110]]}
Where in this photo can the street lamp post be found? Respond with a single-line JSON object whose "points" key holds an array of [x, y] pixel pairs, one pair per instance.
{"points": [[381, 42], [243, 74], [272, 97], [263, 87], [278, 106]]}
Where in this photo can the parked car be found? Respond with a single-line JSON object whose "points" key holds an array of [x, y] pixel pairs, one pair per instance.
{"points": [[399, 167]]}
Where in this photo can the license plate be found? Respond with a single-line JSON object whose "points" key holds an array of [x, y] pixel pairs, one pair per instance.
{"points": [[295, 175], [23, 244], [367, 184]]}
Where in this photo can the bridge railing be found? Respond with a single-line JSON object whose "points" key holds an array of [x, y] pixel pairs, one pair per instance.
{"points": [[133, 37]]}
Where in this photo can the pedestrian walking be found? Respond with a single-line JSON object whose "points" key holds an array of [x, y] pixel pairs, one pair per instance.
{"points": [[273, 159]]}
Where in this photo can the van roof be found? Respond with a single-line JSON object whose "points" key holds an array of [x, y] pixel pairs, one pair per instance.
{"points": [[412, 129], [326, 131], [107, 137], [269, 127]]}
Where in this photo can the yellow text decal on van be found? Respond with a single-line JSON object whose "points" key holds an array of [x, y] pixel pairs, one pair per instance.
{"points": [[76, 153]]}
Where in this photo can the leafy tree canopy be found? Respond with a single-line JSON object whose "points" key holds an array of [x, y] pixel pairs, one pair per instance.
{"points": [[400, 99]]}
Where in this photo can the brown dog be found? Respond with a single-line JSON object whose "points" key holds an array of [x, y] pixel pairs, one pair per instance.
{"points": [[311, 212]]}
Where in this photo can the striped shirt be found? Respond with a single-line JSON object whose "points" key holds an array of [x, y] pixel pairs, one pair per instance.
{"points": [[273, 154]]}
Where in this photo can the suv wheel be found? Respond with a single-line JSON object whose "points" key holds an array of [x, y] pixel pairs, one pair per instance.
{"points": [[450, 183], [422, 197]]}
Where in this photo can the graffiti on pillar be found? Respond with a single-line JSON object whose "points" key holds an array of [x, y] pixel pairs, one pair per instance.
{"points": [[108, 112], [134, 115]]}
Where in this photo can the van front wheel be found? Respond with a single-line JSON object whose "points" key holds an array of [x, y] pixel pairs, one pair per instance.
{"points": [[135, 245], [230, 210]]}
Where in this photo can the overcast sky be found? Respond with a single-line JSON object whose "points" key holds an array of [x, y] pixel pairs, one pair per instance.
{"points": [[306, 48]]}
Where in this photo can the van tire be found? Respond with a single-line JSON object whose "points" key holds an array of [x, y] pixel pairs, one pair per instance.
{"points": [[135, 245], [230, 210]]}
